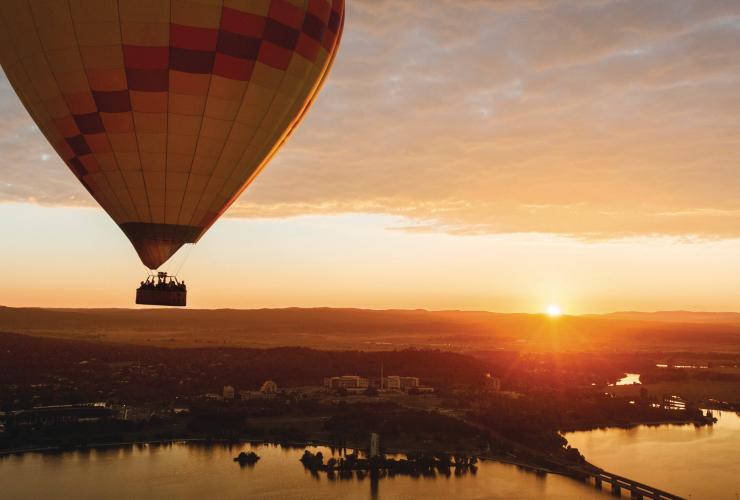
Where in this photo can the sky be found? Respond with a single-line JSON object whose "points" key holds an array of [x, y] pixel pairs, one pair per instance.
{"points": [[465, 154]]}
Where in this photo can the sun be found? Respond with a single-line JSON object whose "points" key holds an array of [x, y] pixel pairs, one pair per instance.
{"points": [[553, 310]]}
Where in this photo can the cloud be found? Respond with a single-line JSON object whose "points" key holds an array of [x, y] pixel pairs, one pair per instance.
{"points": [[593, 119], [29, 167]]}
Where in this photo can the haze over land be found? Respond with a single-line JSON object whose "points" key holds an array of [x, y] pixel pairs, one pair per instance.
{"points": [[569, 164], [364, 329]]}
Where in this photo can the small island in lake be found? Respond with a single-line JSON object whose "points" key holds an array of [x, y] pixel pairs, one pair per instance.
{"points": [[245, 458], [413, 465]]}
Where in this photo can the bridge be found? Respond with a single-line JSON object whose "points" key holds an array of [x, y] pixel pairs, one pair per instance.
{"points": [[599, 477], [636, 489]]}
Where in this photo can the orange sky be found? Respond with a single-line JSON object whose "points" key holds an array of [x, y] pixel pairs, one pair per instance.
{"points": [[489, 155]]}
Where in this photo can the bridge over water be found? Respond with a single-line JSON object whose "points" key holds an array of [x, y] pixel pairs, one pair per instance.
{"points": [[585, 472], [598, 477], [636, 489]]}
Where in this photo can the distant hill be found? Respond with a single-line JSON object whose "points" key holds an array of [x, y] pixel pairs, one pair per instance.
{"points": [[675, 316], [328, 328]]}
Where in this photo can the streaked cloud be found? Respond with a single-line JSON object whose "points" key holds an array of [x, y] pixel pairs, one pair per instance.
{"points": [[595, 119]]}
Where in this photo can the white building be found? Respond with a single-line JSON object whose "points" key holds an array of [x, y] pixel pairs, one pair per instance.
{"points": [[268, 390], [392, 383], [409, 383], [398, 383], [346, 382], [269, 387]]}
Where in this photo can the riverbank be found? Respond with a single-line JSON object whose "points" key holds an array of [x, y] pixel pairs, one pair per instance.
{"points": [[691, 462], [316, 439], [238, 445], [92, 446], [195, 470], [240, 442], [649, 423]]}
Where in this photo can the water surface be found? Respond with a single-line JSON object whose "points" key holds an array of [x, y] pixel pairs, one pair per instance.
{"points": [[629, 379], [694, 462], [197, 471]]}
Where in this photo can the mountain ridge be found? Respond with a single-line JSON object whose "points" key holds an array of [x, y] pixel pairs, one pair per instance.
{"points": [[354, 328]]}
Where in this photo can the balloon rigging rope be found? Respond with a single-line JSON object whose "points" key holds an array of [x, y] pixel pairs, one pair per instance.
{"points": [[185, 259]]}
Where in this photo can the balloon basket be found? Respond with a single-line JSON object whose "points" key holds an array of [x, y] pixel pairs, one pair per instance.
{"points": [[162, 290]]}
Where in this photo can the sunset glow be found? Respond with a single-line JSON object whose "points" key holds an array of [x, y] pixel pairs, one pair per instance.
{"points": [[453, 154], [324, 248], [554, 311]]}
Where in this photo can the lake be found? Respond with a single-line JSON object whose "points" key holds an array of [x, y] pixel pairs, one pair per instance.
{"points": [[629, 379], [694, 462], [199, 471]]}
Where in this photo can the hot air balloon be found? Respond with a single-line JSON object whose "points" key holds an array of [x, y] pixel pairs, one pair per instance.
{"points": [[166, 110]]}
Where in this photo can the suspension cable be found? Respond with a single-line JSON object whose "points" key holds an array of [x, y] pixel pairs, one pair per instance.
{"points": [[185, 259]]}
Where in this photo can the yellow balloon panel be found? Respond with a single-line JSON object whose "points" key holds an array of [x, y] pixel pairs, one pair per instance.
{"points": [[166, 110]]}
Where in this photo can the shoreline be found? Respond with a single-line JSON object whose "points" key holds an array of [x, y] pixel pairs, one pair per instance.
{"points": [[241, 442], [318, 442], [632, 425], [481, 455]]}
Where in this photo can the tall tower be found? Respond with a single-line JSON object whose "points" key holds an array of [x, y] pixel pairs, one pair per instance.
{"points": [[374, 444], [382, 382]]}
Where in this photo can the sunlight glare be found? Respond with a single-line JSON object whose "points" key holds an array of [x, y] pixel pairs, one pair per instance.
{"points": [[554, 311]]}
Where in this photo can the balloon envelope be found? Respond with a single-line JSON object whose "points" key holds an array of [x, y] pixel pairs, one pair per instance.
{"points": [[166, 110]]}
